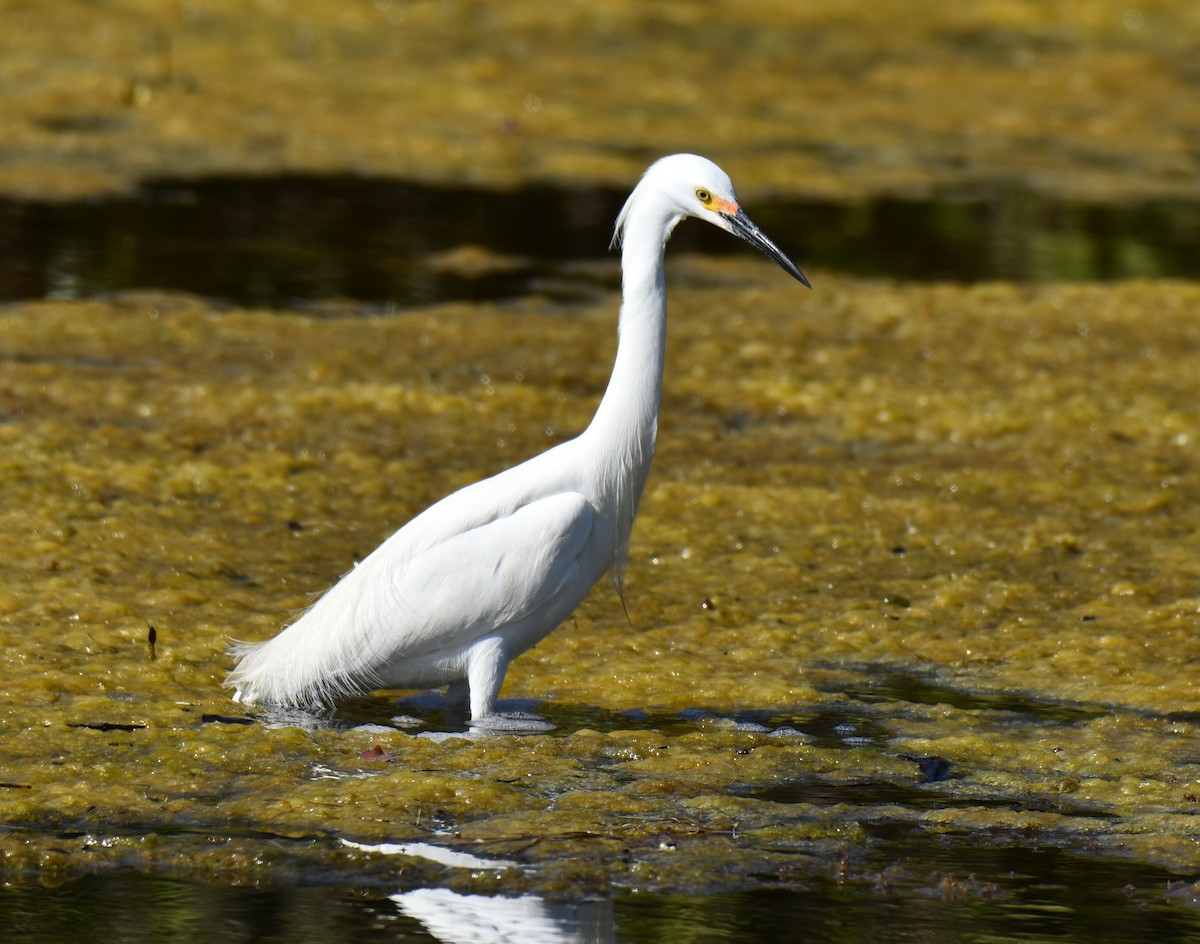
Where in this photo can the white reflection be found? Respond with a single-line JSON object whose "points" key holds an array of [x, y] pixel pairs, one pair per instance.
{"points": [[438, 854], [479, 919]]}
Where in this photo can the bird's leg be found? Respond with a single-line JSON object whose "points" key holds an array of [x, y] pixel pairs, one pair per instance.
{"points": [[486, 664]]}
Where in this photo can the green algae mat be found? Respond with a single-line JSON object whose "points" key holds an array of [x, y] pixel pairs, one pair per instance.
{"points": [[910, 557]]}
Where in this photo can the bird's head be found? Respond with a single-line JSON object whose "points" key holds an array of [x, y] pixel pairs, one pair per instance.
{"points": [[685, 185]]}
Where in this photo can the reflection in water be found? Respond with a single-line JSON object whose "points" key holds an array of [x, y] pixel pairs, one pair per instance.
{"points": [[480, 919], [946, 892], [296, 240], [432, 853]]}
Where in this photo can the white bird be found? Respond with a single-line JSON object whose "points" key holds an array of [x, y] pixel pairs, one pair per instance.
{"points": [[489, 571]]}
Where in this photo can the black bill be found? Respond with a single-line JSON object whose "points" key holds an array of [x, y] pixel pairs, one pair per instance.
{"points": [[740, 225]]}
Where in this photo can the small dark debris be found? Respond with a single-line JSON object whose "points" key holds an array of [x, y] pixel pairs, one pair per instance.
{"points": [[899, 550], [1087, 618], [1188, 892], [933, 768], [708, 604], [105, 725], [737, 422], [953, 887], [232, 573], [80, 123], [15, 786], [294, 525], [225, 719], [152, 639]]}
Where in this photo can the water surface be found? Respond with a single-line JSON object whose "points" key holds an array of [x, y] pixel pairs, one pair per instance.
{"points": [[300, 241], [1006, 897]]}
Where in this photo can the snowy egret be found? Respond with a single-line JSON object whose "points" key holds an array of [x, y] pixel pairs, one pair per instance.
{"points": [[485, 573]]}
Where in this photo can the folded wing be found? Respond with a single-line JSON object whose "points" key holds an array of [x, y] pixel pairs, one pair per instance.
{"points": [[511, 571]]}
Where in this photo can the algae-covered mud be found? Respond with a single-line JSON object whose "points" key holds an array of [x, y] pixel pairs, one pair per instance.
{"points": [[911, 558], [1090, 100]]}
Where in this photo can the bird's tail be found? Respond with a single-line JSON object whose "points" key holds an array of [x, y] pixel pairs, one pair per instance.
{"points": [[324, 656]]}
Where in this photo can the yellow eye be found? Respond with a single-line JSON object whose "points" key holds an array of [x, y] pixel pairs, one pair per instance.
{"points": [[703, 196]]}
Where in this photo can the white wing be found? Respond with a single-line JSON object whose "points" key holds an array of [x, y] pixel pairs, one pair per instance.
{"points": [[492, 576]]}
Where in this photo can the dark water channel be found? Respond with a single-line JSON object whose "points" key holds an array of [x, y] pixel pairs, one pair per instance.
{"points": [[295, 241], [1027, 896]]}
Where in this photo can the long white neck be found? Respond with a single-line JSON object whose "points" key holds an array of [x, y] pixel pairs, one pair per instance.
{"points": [[622, 433]]}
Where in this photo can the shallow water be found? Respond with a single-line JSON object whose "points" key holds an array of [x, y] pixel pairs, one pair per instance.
{"points": [[304, 241], [1007, 897]]}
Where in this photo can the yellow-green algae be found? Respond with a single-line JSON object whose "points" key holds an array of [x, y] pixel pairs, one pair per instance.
{"points": [[994, 487], [1092, 100]]}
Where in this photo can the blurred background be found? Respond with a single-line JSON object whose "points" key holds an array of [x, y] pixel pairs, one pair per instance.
{"points": [[329, 149]]}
